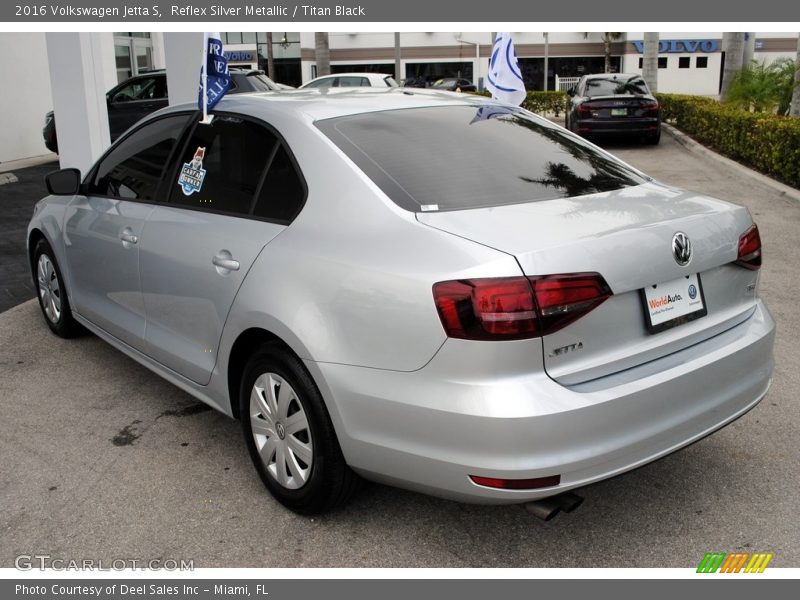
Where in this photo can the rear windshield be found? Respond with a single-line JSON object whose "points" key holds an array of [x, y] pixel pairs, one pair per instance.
{"points": [[260, 82], [616, 86], [457, 157]]}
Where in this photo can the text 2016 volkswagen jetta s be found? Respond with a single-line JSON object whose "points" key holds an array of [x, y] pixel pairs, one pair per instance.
{"points": [[424, 289]]}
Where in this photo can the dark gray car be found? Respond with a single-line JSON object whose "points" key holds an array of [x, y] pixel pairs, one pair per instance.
{"points": [[614, 104], [137, 97]]}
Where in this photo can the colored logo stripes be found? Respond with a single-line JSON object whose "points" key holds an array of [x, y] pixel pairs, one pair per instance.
{"points": [[735, 562]]}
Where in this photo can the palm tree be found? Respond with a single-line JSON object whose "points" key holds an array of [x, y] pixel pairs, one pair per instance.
{"points": [[607, 38], [650, 61], [795, 107], [733, 45], [322, 54], [762, 87]]}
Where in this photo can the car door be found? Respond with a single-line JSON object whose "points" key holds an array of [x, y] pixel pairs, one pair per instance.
{"points": [[102, 229], [134, 101], [233, 189]]}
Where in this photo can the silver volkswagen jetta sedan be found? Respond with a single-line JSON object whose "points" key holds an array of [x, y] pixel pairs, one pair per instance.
{"points": [[424, 289]]}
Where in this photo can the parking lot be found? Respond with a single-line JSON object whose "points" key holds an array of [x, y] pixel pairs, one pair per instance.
{"points": [[102, 459]]}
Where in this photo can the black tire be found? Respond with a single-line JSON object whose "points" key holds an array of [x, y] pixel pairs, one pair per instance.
{"points": [[64, 325], [653, 138], [331, 482]]}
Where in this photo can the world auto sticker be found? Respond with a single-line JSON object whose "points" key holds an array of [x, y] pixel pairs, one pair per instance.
{"points": [[193, 173]]}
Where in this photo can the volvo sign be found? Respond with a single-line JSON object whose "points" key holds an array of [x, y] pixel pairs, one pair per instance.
{"points": [[680, 46]]}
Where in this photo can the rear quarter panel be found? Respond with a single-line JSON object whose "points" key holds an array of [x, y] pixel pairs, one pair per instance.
{"points": [[350, 280]]}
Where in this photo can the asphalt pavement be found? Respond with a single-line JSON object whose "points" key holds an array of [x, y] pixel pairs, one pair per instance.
{"points": [[16, 207], [101, 459]]}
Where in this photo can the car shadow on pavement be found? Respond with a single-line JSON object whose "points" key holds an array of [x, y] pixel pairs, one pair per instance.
{"points": [[105, 457]]}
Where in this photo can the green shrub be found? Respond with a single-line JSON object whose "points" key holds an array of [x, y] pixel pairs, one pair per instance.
{"points": [[545, 102], [766, 142], [542, 102]]}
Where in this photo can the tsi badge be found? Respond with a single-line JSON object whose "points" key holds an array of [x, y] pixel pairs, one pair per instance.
{"points": [[193, 173]]}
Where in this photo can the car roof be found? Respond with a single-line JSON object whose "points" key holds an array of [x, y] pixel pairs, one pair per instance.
{"points": [[316, 104], [353, 74], [611, 75]]}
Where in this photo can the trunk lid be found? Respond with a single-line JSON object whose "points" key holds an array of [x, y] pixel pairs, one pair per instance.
{"points": [[626, 236], [620, 107]]}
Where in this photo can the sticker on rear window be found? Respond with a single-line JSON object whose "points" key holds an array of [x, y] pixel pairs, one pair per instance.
{"points": [[193, 173]]}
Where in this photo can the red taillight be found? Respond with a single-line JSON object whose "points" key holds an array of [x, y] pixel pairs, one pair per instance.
{"points": [[561, 299], [487, 309], [750, 249], [586, 109], [515, 308], [651, 106], [517, 484]]}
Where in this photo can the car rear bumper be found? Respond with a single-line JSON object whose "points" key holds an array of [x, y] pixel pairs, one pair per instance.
{"points": [[429, 430], [617, 126]]}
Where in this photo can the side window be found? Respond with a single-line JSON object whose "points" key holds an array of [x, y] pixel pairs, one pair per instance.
{"points": [[134, 168], [353, 81], [222, 165], [283, 192], [141, 89], [321, 83]]}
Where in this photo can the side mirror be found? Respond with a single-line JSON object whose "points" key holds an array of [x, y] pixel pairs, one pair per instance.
{"points": [[65, 182], [571, 92]]}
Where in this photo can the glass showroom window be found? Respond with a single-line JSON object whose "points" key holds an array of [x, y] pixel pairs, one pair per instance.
{"points": [[133, 53]]}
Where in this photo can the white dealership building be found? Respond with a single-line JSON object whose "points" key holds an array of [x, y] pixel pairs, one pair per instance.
{"points": [[689, 63]]}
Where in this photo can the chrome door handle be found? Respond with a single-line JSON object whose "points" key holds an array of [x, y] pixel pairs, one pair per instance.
{"points": [[129, 238], [225, 262]]}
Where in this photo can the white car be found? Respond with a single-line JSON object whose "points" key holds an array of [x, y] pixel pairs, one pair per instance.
{"points": [[378, 80]]}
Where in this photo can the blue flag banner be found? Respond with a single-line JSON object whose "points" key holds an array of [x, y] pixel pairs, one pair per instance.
{"points": [[215, 80], [505, 80], [492, 112]]}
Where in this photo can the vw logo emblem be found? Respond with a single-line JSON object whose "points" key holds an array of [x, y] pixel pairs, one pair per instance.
{"points": [[681, 248], [280, 430], [692, 292]]}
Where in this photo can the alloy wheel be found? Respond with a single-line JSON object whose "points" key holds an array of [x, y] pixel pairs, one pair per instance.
{"points": [[49, 289]]}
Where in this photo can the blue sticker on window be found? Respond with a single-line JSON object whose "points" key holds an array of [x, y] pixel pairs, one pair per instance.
{"points": [[193, 173]]}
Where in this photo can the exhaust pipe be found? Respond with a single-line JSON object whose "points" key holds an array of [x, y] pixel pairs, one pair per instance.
{"points": [[568, 501], [547, 508], [544, 509]]}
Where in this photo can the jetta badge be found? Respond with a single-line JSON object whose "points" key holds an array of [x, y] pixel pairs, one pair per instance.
{"points": [[681, 248]]}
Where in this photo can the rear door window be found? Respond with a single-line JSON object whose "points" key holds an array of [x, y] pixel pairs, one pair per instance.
{"points": [[327, 82], [283, 192], [456, 157], [238, 167], [352, 82]]}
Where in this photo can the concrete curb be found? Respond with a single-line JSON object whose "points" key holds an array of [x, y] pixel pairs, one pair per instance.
{"points": [[693, 146], [22, 163]]}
